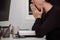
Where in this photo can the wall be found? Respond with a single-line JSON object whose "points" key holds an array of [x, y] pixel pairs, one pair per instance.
{"points": [[18, 14]]}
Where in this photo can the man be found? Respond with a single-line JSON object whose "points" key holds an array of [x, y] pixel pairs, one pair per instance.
{"points": [[47, 19]]}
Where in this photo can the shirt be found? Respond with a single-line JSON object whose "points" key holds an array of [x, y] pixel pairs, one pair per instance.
{"points": [[49, 24]]}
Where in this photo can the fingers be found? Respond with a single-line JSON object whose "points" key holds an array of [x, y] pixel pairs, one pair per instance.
{"points": [[38, 3], [38, 6], [35, 10], [41, 11], [32, 1]]}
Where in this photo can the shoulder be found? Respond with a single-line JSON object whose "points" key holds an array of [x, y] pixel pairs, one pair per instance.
{"points": [[55, 11], [55, 14]]}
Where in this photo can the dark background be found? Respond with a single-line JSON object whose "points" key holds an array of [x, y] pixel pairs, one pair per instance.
{"points": [[4, 10], [30, 13]]}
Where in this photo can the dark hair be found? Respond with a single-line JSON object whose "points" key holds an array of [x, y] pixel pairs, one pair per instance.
{"points": [[54, 2], [51, 1]]}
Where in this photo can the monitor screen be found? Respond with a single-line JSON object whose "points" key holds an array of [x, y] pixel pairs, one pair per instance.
{"points": [[4, 10]]}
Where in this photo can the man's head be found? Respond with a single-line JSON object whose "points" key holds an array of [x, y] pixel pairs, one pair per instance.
{"points": [[38, 1], [53, 2]]}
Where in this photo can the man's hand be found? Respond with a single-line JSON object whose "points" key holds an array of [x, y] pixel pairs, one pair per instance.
{"points": [[42, 4], [38, 3], [36, 12]]}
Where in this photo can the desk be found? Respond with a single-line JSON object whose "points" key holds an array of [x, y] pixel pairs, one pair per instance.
{"points": [[27, 38]]}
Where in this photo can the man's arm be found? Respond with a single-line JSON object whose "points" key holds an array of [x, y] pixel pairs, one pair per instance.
{"points": [[39, 21], [49, 24]]}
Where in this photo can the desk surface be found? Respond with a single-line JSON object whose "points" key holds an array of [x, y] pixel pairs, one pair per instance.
{"points": [[23, 39], [28, 38]]}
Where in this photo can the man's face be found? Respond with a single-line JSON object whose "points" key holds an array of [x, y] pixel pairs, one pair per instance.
{"points": [[38, 1]]}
